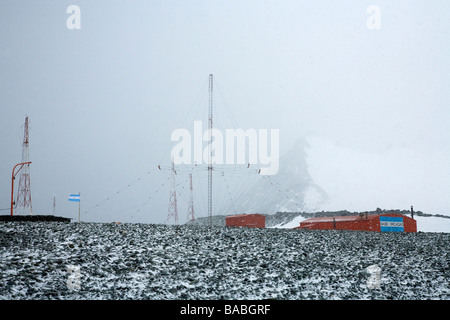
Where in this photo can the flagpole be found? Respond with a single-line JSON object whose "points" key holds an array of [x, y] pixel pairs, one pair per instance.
{"points": [[79, 205]]}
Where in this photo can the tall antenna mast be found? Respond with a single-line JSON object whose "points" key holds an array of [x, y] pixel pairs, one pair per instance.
{"points": [[191, 216], [173, 207], [54, 205], [23, 202], [210, 126]]}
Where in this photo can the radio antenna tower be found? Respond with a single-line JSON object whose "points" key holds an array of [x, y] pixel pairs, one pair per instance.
{"points": [[173, 208], [191, 216], [23, 202], [210, 168]]}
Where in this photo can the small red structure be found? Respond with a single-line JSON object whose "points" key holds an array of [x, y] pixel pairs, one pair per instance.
{"points": [[253, 220], [390, 222]]}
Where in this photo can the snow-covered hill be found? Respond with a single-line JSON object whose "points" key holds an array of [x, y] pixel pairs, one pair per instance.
{"points": [[291, 189], [396, 177]]}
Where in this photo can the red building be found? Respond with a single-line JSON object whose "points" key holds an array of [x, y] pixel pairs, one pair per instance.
{"points": [[390, 222], [254, 220]]}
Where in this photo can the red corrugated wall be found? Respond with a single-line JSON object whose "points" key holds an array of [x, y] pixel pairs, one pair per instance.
{"points": [[246, 220], [362, 223]]}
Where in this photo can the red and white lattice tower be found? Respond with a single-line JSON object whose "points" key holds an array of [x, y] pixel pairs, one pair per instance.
{"points": [[23, 201], [191, 216], [173, 208]]}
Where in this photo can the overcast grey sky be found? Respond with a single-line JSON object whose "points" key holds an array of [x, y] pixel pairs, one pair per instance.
{"points": [[104, 99]]}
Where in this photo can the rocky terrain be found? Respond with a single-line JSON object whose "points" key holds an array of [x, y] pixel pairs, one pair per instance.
{"points": [[54, 260]]}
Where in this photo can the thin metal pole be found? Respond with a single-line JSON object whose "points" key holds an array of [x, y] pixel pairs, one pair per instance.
{"points": [[191, 215], [79, 206], [210, 127]]}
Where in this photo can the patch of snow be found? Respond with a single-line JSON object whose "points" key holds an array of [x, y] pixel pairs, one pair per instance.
{"points": [[292, 224], [432, 224]]}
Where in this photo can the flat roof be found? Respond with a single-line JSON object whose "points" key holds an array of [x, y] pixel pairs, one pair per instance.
{"points": [[244, 215]]}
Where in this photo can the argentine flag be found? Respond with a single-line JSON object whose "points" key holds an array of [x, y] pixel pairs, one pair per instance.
{"points": [[74, 197]]}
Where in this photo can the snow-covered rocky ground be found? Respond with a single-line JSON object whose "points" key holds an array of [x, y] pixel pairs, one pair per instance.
{"points": [[145, 261]]}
